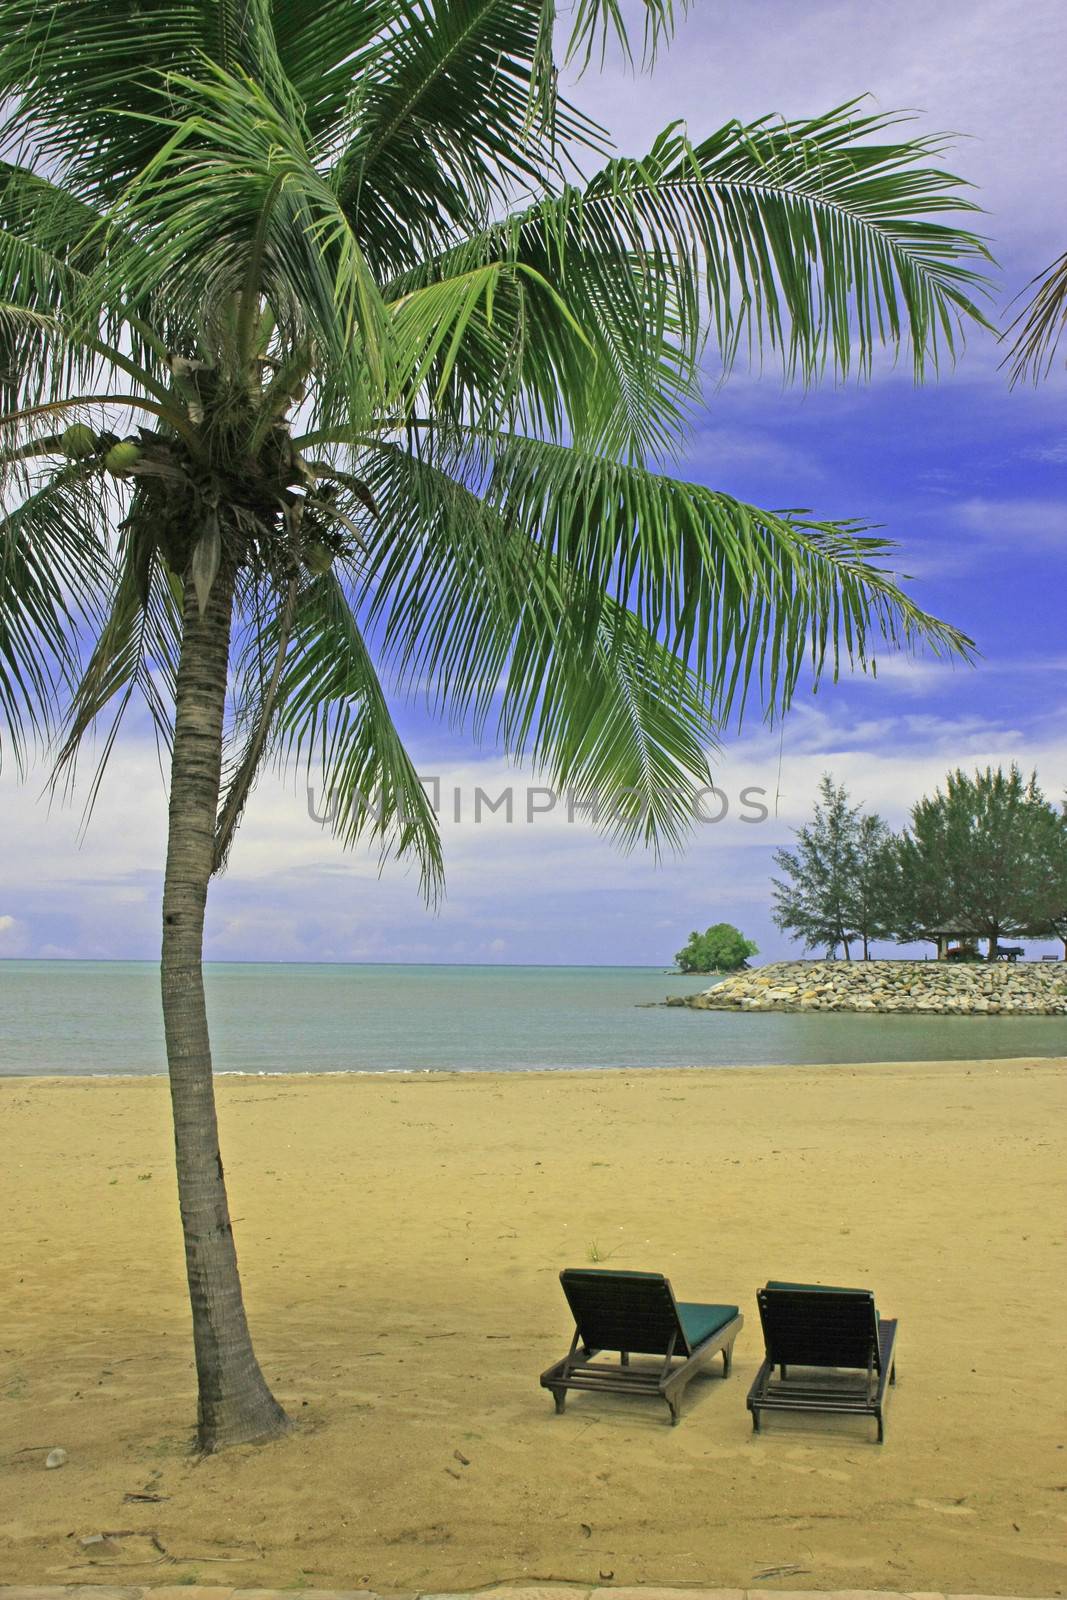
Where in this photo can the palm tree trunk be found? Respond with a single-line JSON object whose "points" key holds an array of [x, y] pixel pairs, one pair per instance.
{"points": [[235, 1404]]}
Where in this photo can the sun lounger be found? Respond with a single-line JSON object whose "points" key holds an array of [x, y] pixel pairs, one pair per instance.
{"points": [[635, 1313], [837, 1332]]}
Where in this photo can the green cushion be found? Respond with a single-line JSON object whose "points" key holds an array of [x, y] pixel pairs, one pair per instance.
{"points": [[815, 1288], [700, 1322]]}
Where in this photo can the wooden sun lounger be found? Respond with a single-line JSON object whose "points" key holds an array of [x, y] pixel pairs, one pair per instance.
{"points": [[635, 1313], [836, 1331]]}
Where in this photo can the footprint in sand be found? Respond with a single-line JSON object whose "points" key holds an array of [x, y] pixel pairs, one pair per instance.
{"points": [[833, 1473], [952, 1510]]}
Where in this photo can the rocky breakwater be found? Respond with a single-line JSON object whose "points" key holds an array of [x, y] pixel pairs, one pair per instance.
{"points": [[1030, 989]]}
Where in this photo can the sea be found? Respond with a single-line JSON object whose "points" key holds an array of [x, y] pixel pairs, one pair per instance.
{"points": [[103, 1017]]}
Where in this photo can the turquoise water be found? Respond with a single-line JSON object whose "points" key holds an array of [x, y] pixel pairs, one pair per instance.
{"points": [[71, 1017]]}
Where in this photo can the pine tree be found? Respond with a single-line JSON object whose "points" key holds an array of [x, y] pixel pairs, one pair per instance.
{"points": [[871, 901], [818, 904], [1050, 920]]}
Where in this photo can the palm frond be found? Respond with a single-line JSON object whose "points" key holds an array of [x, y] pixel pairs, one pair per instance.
{"points": [[227, 202], [620, 725], [332, 716], [500, 635], [1040, 325], [85, 82], [324, 49], [492, 340], [53, 574], [596, 21], [559, 541], [135, 653], [233, 207], [807, 237], [51, 248], [457, 108], [747, 596], [591, 344]]}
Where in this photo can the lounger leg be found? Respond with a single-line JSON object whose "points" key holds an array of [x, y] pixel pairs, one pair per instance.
{"points": [[782, 1371], [881, 1427], [755, 1419], [560, 1397], [624, 1357], [727, 1358], [675, 1412]]}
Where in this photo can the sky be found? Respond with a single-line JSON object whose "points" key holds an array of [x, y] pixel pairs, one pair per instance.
{"points": [[966, 475]]}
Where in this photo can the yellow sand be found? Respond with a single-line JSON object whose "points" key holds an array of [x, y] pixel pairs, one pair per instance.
{"points": [[400, 1239]]}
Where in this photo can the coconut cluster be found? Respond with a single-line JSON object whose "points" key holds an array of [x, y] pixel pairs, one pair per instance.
{"points": [[80, 442]]}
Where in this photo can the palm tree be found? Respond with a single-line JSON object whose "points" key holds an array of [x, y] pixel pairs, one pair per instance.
{"points": [[318, 367]]}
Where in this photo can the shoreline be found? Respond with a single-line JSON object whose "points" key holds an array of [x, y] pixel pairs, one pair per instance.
{"points": [[506, 1074], [400, 1238]]}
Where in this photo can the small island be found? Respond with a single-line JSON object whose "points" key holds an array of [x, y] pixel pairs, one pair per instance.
{"points": [[720, 949]]}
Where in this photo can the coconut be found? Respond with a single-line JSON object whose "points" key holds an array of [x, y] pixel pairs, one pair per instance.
{"points": [[122, 456], [78, 440], [317, 558]]}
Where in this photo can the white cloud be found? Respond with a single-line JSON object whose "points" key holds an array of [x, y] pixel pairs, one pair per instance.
{"points": [[12, 936], [1054, 454], [915, 675], [1009, 524], [981, 528], [722, 453]]}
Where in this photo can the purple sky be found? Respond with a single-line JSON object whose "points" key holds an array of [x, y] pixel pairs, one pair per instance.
{"points": [[968, 477]]}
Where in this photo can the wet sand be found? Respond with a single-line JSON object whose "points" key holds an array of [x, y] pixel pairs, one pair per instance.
{"points": [[400, 1239]]}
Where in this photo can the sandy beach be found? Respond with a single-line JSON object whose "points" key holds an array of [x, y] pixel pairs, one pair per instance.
{"points": [[400, 1240]]}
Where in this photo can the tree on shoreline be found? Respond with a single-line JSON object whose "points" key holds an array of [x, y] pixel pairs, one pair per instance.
{"points": [[874, 881], [978, 856], [296, 387], [1049, 920], [827, 896], [720, 948]]}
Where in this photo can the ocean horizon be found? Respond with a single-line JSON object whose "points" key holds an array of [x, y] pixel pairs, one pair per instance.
{"points": [[69, 1017]]}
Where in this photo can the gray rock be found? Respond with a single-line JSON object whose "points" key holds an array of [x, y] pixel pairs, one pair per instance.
{"points": [[925, 987], [56, 1458]]}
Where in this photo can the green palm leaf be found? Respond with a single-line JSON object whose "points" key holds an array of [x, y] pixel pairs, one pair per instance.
{"points": [[446, 124], [808, 237], [231, 209], [54, 570], [332, 717], [1040, 325], [135, 654]]}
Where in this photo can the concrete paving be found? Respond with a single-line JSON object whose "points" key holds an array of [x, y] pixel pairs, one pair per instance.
{"points": [[543, 1591]]}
